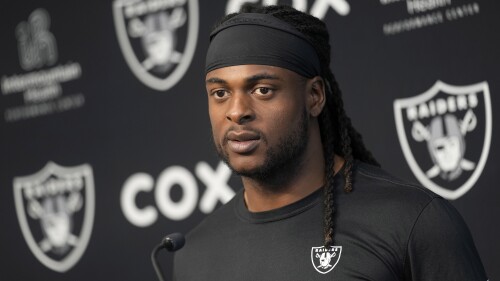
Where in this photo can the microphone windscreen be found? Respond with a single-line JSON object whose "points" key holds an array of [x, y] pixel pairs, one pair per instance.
{"points": [[174, 241]]}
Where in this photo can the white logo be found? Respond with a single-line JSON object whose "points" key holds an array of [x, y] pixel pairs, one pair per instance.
{"points": [[215, 180], [325, 259], [148, 33], [55, 209], [36, 44], [450, 135], [318, 9], [42, 83], [426, 14]]}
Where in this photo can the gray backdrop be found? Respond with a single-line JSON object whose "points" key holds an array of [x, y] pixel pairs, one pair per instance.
{"points": [[105, 135]]}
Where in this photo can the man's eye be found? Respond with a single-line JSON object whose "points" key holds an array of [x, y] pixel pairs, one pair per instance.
{"points": [[219, 93], [263, 91]]}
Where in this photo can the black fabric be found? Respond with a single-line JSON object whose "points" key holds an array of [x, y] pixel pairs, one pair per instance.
{"points": [[264, 40], [388, 230]]}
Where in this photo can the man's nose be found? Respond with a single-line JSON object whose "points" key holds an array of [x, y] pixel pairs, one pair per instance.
{"points": [[240, 110]]}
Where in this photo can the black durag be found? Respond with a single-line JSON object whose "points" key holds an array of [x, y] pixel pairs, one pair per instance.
{"points": [[261, 39]]}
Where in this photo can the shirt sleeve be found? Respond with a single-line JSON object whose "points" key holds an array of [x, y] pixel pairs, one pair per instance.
{"points": [[440, 247]]}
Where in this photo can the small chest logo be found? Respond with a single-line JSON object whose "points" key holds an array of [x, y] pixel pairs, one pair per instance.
{"points": [[325, 259], [157, 38], [445, 134], [55, 209]]}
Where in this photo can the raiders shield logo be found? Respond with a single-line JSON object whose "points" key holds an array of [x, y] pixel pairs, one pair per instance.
{"points": [[325, 259], [157, 38], [445, 135], [55, 209]]}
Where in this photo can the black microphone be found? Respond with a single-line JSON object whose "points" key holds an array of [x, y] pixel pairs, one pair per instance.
{"points": [[172, 243]]}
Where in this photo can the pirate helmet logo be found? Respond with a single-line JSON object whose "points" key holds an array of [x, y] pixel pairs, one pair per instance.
{"points": [[445, 135], [157, 38], [325, 259], [55, 209]]}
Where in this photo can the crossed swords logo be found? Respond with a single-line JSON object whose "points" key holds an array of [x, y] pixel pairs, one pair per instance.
{"points": [[446, 148]]}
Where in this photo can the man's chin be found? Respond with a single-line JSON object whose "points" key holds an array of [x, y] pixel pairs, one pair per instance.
{"points": [[241, 165], [243, 169]]}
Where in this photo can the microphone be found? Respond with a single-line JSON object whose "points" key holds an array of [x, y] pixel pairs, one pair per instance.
{"points": [[172, 243]]}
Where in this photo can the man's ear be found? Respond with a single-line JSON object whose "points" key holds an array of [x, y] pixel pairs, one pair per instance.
{"points": [[316, 97]]}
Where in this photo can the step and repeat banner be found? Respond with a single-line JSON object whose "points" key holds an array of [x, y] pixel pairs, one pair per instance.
{"points": [[106, 143]]}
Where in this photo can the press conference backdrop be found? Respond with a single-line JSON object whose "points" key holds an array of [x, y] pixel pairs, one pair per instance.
{"points": [[106, 144]]}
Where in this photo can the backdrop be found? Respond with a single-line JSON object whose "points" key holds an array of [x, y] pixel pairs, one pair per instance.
{"points": [[106, 144]]}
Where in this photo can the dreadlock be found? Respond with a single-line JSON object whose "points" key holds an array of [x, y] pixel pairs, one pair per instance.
{"points": [[338, 136]]}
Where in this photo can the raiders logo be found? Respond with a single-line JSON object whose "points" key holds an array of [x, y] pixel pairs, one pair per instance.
{"points": [[55, 209], [325, 259], [445, 135], [157, 38]]}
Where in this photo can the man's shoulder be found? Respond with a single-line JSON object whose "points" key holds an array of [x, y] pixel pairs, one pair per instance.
{"points": [[376, 189], [214, 222], [376, 179], [205, 239]]}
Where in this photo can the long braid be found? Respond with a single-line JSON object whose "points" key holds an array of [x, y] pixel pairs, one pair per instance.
{"points": [[338, 136], [328, 139]]}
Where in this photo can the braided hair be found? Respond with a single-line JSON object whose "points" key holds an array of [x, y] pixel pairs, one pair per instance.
{"points": [[338, 136]]}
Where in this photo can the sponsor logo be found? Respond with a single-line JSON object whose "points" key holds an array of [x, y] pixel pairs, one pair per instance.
{"points": [[55, 209], [318, 9], [157, 38], [41, 83], [180, 206], [445, 135], [418, 14], [324, 259]]}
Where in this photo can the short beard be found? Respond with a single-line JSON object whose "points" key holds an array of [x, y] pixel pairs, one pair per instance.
{"points": [[282, 161]]}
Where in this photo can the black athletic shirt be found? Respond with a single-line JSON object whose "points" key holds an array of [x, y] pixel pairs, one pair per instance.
{"points": [[385, 230]]}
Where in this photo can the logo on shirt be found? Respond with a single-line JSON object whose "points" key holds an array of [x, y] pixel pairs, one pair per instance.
{"points": [[325, 259], [445, 135], [55, 209], [157, 38]]}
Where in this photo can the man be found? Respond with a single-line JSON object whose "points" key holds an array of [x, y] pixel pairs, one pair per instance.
{"points": [[278, 121]]}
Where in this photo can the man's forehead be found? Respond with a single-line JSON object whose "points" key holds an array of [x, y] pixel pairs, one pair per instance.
{"points": [[249, 73]]}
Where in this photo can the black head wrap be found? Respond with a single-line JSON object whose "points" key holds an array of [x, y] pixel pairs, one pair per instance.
{"points": [[252, 38]]}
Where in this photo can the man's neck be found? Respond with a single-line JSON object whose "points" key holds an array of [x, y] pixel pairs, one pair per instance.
{"points": [[259, 197]]}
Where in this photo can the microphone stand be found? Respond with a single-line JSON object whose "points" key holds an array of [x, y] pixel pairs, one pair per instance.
{"points": [[154, 260], [172, 243]]}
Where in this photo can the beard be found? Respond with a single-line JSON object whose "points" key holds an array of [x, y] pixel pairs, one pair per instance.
{"points": [[282, 161]]}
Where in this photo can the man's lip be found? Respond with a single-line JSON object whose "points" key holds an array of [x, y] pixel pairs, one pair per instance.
{"points": [[242, 136], [242, 142], [242, 147]]}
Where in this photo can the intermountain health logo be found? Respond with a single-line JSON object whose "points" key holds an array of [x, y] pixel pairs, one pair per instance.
{"points": [[325, 259], [445, 135], [55, 209], [418, 14], [39, 89], [157, 38]]}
